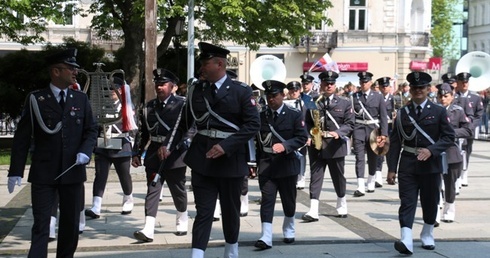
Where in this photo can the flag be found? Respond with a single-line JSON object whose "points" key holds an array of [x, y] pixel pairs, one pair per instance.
{"points": [[327, 63], [128, 122]]}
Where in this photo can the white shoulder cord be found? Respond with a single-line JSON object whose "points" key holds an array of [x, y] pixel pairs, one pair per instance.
{"points": [[41, 123]]}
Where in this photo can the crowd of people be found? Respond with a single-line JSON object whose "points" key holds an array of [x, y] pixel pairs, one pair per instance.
{"points": [[423, 131]]}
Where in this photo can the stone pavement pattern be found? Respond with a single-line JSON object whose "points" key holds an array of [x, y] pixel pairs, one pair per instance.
{"points": [[369, 231]]}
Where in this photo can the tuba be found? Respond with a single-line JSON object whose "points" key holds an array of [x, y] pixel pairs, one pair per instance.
{"points": [[267, 67], [478, 64], [316, 130]]}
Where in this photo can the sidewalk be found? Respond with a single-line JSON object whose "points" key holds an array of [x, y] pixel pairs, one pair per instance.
{"points": [[369, 231]]}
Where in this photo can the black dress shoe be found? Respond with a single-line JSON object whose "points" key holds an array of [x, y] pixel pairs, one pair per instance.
{"points": [[378, 185], [370, 191], [80, 232], [358, 193], [180, 233], [51, 239], [447, 220], [90, 213], [243, 214], [401, 248], [262, 245], [288, 240], [429, 247], [215, 219], [125, 212], [464, 185], [142, 237], [342, 216], [436, 224], [308, 218]]}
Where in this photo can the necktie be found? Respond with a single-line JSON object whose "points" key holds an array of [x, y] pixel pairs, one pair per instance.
{"points": [[419, 111], [275, 115], [327, 102], [62, 99], [213, 90], [365, 96]]}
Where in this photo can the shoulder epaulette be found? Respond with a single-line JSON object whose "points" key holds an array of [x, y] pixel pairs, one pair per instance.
{"points": [[240, 83]]}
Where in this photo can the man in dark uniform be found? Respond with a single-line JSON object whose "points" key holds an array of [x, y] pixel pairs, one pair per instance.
{"points": [[60, 125], [461, 125], [307, 82], [158, 119], [449, 78], [370, 114], [421, 133], [282, 132], [226, 117], [473, 106], [385, 89], [333, 121], [301, 102], [120, 158]]}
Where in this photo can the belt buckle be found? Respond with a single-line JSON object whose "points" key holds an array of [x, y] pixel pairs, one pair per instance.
{"points": [[212, 133]]}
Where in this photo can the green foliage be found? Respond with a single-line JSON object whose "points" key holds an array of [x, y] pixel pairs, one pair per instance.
{"points": [[444, 15]]}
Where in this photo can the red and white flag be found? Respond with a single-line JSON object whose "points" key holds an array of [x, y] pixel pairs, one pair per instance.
{"points": [[128, 122], [327, 63]]}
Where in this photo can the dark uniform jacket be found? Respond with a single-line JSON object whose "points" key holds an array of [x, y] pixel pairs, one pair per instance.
{"points": [[54, 153], [434, 121], [341, 110], [303, 103], [152, 127], [233, 102], [290, 126], [473, 107], [376, 107], [390, 106], [461, 125]]}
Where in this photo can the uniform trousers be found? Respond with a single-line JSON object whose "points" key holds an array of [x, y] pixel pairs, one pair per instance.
{"points": [[175, 179], [469, 149], [269, 187], [206, 190], [102, 166], [409, 187], [453, 173], [361, 147], [42, 204], [336, 169]]}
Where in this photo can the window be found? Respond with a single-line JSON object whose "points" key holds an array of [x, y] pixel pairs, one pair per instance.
{"points": [[357, 15], [67, 19]]}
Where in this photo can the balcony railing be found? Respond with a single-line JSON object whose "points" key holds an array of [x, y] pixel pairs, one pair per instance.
{"points": [[112, 37], [319, 40], [419, 39]]}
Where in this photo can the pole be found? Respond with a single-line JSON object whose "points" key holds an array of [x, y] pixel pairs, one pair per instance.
{"points": [[190, 41], [150, 47]]}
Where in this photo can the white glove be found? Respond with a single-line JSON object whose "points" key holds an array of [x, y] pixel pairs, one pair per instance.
{"points": [[82, 159], [12, 181]]}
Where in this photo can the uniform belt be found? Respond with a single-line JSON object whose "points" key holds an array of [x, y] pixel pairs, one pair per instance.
{"points": [[158, 138], [413, 150], [268, 150], [367, 122], [213, 133], [325, 134]]}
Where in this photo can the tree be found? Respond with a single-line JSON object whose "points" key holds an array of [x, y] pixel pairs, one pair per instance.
{"points": [[245, 22], [444, 15]]}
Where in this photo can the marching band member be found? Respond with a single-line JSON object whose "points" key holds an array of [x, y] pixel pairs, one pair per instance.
{"points": [[332, 122], [422, 132], [282, 132]]}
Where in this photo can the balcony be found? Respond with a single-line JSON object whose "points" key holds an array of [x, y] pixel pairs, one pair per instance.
{"points": [[419, 39], [318, 41], [113, 37]]}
